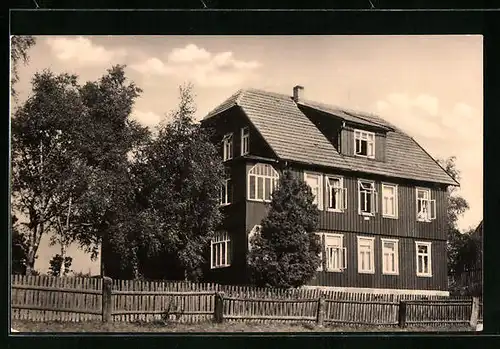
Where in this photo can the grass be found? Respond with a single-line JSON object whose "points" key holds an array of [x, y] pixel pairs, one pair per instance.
{"points": [[137, 327]]}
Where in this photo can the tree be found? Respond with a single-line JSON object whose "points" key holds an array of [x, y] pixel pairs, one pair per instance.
{"points": [[19, 248], [457, 206], [60, 265], [286, 252], [101, 216], [18, 51], [178, 178], [46, 169], [463, 249]]}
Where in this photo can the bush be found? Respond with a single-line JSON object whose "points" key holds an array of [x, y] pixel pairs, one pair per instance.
{"points": [[286, 251]]}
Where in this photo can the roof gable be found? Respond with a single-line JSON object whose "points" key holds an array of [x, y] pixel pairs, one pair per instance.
{"points": [[294, 137]]}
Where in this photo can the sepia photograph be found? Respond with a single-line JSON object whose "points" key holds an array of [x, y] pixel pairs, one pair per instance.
{"points": [[321, 183]]}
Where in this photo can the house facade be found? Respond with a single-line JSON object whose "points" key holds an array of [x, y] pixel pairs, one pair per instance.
{"points": [[382, 198]]}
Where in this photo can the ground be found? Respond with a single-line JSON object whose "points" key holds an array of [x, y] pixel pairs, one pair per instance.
{"points": [[97, 326]]}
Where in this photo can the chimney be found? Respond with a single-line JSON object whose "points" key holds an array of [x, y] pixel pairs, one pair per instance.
{"points": [[298, 93]]}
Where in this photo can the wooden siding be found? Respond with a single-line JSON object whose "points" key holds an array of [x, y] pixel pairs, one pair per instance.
{"points": [[406, 279], [405, 225], [350, 220], [405, 228]]}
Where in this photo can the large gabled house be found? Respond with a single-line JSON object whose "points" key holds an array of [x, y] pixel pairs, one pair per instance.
{"points": [[382, 198]]}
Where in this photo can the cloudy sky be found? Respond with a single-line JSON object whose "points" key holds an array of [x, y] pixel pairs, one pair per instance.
{"points": [[430, 86]]}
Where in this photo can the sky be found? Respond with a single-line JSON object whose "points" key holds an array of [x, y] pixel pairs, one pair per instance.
{"points": [[429, 86]]}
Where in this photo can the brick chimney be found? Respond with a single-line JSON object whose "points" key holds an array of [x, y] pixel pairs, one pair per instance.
{"points": [[298, 93]]}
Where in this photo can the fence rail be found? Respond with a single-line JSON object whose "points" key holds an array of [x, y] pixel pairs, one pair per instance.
{"points": [[44, 298]]}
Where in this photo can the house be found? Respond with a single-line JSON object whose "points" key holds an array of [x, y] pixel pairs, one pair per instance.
{"points": [[382, 198]]}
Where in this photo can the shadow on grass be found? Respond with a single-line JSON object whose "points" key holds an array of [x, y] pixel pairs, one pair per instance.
{"points": [[173, 327]]}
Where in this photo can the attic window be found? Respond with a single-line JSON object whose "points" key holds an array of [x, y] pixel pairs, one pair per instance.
{"points": [[227, 146], [364, 143], [245, 140]]}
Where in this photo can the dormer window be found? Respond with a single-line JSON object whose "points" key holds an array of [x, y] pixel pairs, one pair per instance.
{"points": [[227, 146], [245, 141], [364, 143]]}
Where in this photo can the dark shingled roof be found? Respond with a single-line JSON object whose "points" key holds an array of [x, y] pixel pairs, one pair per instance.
{"points": [[292, 136]]}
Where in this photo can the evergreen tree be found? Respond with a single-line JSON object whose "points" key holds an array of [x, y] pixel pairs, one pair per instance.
{"points": [[286, 252]]}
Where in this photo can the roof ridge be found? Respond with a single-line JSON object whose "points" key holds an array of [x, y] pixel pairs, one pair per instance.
{"points": [[352, 112]]}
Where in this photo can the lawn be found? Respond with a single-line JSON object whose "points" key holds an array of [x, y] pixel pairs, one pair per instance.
{"points": [[136, 327]]}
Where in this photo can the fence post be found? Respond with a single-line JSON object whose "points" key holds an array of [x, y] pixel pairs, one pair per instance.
{"points": [[219, 307], [320, 317], [474, 315], [402, 314], [106, 299]]}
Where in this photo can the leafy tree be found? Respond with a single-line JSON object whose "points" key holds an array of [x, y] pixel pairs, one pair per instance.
{"points": [[60, 265], [457, 206], [178, 178], [463, 249], [101, 215], [46, 169], [286, 252], [19, 46]]}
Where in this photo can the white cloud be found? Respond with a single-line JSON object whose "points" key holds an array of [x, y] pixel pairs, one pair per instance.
{"points": [[416, 115], [456, 130], [190, 53], [200, 66], [147, 118], [82, 51], [152, 66]]}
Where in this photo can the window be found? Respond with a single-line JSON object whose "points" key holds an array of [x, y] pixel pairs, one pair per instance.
{"points": [[245, 140], [390, 256], [337, 194], [366, 262], [367, 198], [426, 208], [365, 143], [220, 250], [423, 258], [390, 200], [227, 146], [262, 180], [226, 193], [334, 254], [315, 182]]}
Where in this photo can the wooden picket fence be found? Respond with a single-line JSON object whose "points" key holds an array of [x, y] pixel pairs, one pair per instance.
{"points": [[44, 298]]}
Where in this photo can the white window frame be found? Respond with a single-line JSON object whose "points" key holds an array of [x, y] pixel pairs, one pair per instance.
{"points": [[341, 250], [225, 198], [220, 250], [385, 269], [374, 198], [428, 244], [227, 147], [340, 191], [428, 212], [319, 198], [272, 175], [395, 201], [245, 141], [369, 138], [371, 240]]}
